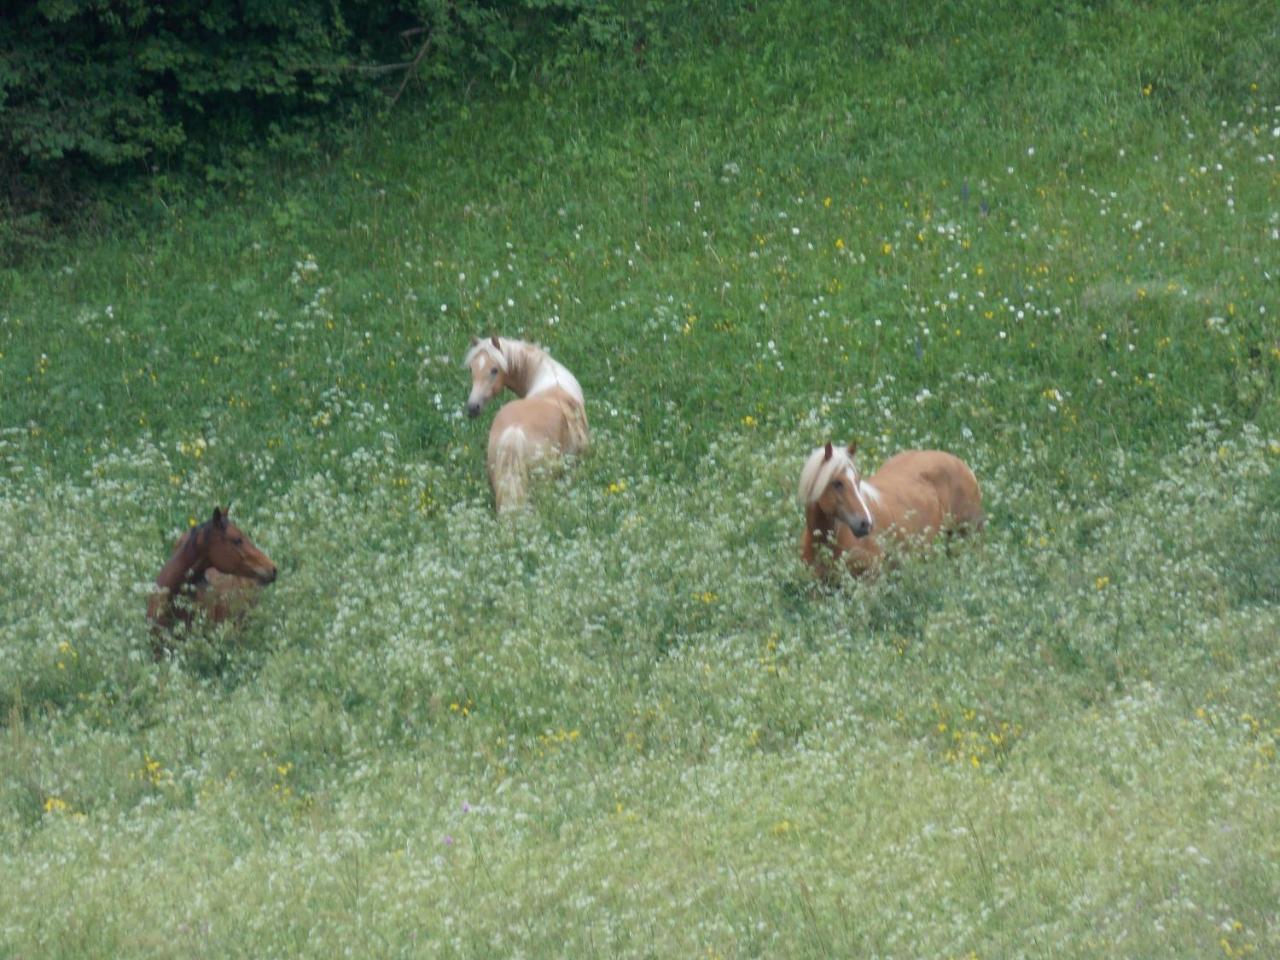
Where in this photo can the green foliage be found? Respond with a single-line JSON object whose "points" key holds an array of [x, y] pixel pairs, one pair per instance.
{"points": [[92, 91], [123, 83]]}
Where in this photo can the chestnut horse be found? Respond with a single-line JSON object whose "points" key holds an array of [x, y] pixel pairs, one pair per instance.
{"points": [[215, 571], [548, 420], [914, 496]]}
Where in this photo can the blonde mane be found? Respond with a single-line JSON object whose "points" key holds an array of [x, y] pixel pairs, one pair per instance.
{"points": [[818, 471], [542, 370], [485, 346]]}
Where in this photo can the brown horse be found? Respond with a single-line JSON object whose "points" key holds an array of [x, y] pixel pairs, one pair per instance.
{"points": [[910, 499], [548, 420], [215, 573]]}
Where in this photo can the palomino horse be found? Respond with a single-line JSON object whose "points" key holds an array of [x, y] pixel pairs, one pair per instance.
{"points": [[913, 497], [215, 571], [549, 418]]}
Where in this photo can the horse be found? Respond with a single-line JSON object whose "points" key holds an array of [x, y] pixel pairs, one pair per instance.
{"points": [[215, 572], [549, 419], [913, 497]]}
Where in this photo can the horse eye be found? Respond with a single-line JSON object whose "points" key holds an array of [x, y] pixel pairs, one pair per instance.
{"points": [[838, 484], [238, 541], [493, 372]]}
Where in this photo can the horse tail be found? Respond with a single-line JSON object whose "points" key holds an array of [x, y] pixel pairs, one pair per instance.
{"points": [[508, 469]]}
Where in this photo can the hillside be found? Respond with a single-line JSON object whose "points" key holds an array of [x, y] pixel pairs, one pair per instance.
{"points": [[628, 722]]}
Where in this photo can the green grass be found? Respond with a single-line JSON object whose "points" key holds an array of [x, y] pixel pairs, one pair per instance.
{"points": [[629, 723]]}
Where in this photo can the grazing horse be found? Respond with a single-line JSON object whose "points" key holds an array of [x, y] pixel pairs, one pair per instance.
{"points": [[911, 498], [548, 420], [215, 571]]}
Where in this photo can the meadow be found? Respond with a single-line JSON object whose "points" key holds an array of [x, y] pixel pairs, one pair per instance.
{"points": [[628, 722]]}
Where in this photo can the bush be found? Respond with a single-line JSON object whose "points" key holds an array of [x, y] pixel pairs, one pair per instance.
{"points": [[94, 92]]}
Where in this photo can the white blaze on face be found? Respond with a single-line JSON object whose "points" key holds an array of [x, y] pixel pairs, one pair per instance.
{"points": [[857, 492]]}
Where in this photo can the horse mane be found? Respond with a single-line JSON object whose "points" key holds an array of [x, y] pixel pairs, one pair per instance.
{"points": [[819, 469], [195, 536], [189, 537], [499, 355]]}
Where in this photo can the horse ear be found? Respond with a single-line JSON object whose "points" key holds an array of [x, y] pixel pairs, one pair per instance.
{"points": [[853, 448], [494, 341], [219, 518], [474, 340], [829, 452]]}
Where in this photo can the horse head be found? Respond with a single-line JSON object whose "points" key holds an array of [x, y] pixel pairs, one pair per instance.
{"points": [[488, 368], [228, 550], [841, 495]]}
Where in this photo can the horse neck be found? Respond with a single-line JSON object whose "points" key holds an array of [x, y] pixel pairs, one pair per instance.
{"points": [[185, 566], [518, 368], [818, 526], [530, 372], [882, 505]]}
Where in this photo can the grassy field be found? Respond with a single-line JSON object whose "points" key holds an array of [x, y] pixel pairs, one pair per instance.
{"points": [[628, 722]]}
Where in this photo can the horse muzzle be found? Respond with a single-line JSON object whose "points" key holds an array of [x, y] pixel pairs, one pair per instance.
{"points": [[859, 526], [473, 409], [266, 577]]}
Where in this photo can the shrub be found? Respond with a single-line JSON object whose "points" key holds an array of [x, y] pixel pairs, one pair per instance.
{"points": [[94, 92]]}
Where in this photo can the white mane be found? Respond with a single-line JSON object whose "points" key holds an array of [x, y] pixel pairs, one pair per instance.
{"points": [[544, 371], [818, 471]]}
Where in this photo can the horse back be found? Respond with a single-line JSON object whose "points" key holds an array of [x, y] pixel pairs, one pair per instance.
{"points": [[553, 417], [934, 477]]}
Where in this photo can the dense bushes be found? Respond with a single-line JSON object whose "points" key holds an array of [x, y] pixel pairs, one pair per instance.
{"points": [[103, 89]]}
